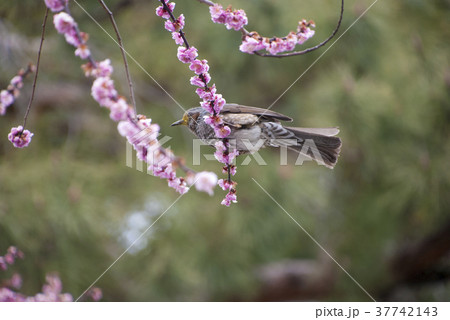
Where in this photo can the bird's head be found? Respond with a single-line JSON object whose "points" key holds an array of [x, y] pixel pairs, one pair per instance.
{"points": [[190, 118]]}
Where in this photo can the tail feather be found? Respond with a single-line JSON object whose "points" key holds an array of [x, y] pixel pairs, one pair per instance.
{"points": [[328, 146]]}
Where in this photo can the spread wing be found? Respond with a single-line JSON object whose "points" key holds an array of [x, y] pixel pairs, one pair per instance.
{"points": [[263, 114]]}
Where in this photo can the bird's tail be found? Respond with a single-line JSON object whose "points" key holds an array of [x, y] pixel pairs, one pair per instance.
{"points": [[319, 144]]}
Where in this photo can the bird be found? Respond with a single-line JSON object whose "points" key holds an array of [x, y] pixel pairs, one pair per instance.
{"points": [[253, 128]]}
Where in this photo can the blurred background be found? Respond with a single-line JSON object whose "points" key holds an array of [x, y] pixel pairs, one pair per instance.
{"points": [[71, 204]]}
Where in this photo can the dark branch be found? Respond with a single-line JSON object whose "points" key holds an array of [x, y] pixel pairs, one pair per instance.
{"points": [[38, 62]]}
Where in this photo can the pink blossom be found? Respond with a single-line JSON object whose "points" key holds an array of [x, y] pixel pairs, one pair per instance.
{"points": [[63, 22], [15, 252], [232, 19], [104, 69], [232, 169], [208, 106], [179, 185], [145, 136], [17, 82], [236, 20], [161, 12], [96, 294], [19, 137], [72, 38], [219, 102], [175, 26], [119, 110], [220, 146], [3, 266], [199, 66], [177, 37], [55, 5], [127, 128], [7, 295], [9, 258], [16, 281], [207, 93], [213, 120], [276, 46], [201, 80], [217, 13], [222, 131], [82, 51], [206, 181], [162, 171], [250, 45], [307, 34], [224, 184], [229, 198], [291, 41], [187, 55], [6, 98], [103, 91]]}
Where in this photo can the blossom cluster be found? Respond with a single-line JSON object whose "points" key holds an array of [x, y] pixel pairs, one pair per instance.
{"points": [[254, 42], [237, 19], [10, 257], [66, 25], [232, 19], [211, 100], [51, 290], [137, 129], [10, 94]]}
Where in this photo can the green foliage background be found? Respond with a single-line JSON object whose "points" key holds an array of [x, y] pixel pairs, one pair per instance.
{"points": [[68, 199]]}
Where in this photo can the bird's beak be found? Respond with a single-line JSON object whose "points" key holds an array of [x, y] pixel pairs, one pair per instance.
{"points": [[183, 121], [177, 123]]}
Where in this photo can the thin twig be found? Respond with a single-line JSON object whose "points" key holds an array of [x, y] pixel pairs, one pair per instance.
{"points": [[297, 53], [44, 23], [122, 50]]}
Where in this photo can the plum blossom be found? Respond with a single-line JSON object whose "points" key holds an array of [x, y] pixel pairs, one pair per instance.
{"points": [[236, 19], [82, 51], [176, 25], [254, 42], [119, 110], [161, 12], [63, 22], [6, 99], [178, 39], [19, 137], [250, 45], [206, 93], [56, 5], [103, 91], [206, 181], [229, 198], [199, 66], [186, 55], [201, 80]]}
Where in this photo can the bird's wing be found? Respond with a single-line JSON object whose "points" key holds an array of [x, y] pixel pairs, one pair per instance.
{"points": [[265, 114]]}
